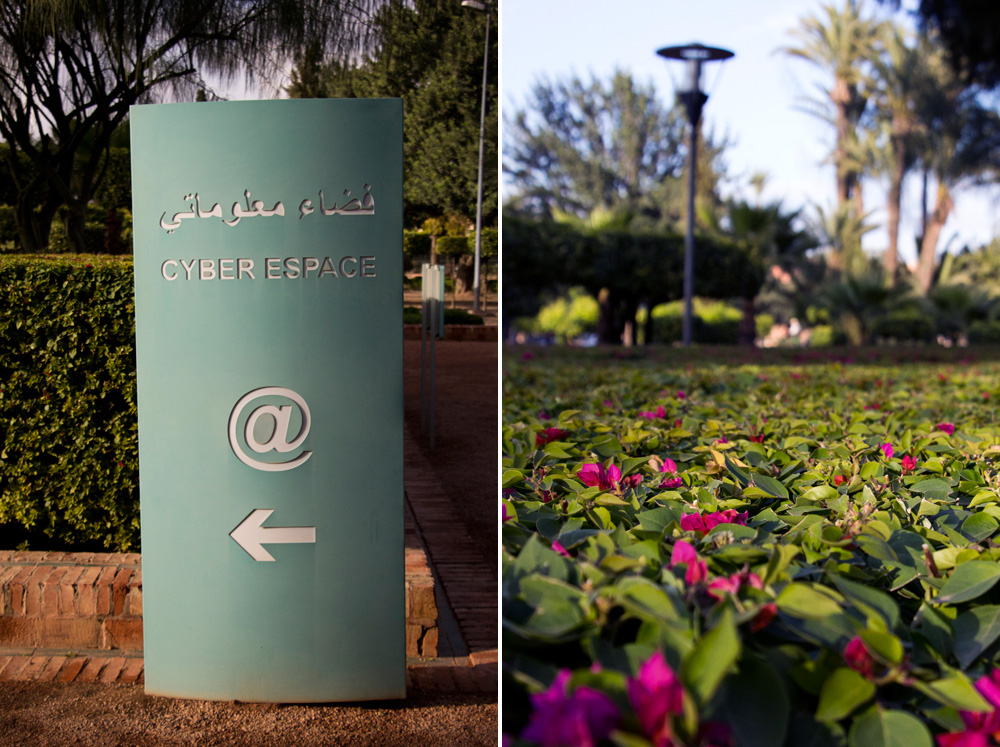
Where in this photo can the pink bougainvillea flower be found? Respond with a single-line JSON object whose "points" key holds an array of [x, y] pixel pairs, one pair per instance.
{"points": [[527, 356], [631, 480], [659, 413], [858, 658], [719, 587], [561, 718], [693, 523], [838, 480], [684, 552], [681, 395], [758, 438], [981, 729], [560, 549], [909, 464], [721, 440], [670, 467], [706, 522], [542, 415], [714, 734], [596, 475], [503, 513], [948, 428], [887, 450], [656, 694], [765, 614], [549, 435]]}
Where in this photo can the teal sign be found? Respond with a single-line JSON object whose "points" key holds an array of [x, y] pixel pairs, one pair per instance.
{"points": [[268, 267]]}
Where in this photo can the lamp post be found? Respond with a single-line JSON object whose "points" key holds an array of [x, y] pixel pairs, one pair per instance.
{"points": [[476, 4], [693, 98]]}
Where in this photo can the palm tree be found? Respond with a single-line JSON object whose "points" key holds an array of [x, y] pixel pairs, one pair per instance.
{"points": [[840, 42], [902, 78], [960, 145]]}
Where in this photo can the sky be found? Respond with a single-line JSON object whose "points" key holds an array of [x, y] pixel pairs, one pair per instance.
{"points": [[755, 97]]}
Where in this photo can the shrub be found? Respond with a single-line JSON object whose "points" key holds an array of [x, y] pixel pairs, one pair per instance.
{"points": [[985, 332], [69, 465], [909, 325], [416, 243], [568, 316], [8, 225], [453, 246], [714, 322], [763, 324], [414, 315], [823, 336]]}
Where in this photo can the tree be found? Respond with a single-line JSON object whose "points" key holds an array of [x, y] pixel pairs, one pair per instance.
{"points": [[69, 71], [907, 77], [963, 147], [769, 236], [970, 32], [579, 147], [430, 54], [840, 42]]}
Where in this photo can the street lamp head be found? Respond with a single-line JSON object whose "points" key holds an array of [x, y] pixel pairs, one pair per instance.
{"points": [[694, 55]]}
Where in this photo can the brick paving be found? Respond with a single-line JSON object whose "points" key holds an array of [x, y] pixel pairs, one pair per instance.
{"points": [[453, 554]]}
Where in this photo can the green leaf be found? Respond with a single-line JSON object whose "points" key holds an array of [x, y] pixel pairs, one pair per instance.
{"points": [[968, 581], [975, 631], [888, 728], [808, 601], [657, 519], [645, 599], [769, 485], [819, 494], [713, 656], [934, 489], [512, 477], [558, 607], [754, 704], [843, 692], [955, 691], [869, 600], [979, 526]]}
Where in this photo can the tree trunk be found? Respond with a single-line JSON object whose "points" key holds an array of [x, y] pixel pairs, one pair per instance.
{"points": [[891, 259], [841, 96], [33, 226], [76, 219], [928, 249], [607, 332]]}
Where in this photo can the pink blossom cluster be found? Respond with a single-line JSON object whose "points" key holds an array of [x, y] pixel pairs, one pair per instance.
{"points": [[606, 478], [585, 716], [669, 467], [707, 522]]}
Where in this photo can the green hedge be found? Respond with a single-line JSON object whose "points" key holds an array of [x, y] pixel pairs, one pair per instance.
{"points": [[68, 433], [413, 315]]}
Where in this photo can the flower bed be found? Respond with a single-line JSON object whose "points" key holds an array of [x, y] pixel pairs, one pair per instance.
{"points": [[750, 554]]}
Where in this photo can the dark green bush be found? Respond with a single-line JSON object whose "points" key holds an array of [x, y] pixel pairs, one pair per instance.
{"points": [[68, 434], [416, 243], [909, 325], [453, 246], [8, 226], [413, 315], [984, 333]]}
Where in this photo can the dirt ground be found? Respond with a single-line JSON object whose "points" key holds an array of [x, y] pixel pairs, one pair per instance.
{"points": [[464, 458], [52, 715]]}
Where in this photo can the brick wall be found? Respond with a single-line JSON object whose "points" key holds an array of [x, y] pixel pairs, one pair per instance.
{"points": [[94, 601]]}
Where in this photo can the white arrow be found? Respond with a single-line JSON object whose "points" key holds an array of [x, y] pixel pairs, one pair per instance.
{"points": [[251, 536]]}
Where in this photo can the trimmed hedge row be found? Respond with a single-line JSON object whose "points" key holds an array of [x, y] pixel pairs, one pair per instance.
{"points": [[68, 422]]}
